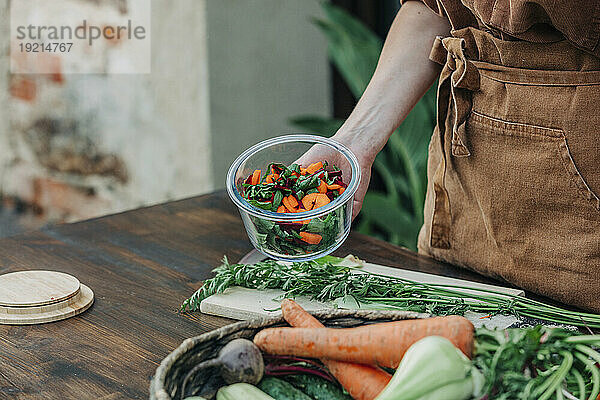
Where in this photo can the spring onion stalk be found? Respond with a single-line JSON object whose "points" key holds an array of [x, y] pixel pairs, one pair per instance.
{"points": [[538, 363]]}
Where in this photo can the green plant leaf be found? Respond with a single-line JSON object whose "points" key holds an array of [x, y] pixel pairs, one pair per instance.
{"points": [[319, 125], [353, 48], [388, 215]]}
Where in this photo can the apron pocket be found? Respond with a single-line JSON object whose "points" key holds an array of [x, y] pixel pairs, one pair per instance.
{"points": [[537, 158]]}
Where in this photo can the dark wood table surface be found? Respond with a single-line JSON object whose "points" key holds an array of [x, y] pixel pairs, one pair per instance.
{"points": [[141, 265]]}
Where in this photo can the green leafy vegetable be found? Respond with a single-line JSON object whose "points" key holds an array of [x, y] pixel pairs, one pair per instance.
{"points": [[283, 189], [538, 363], [317, 387]]}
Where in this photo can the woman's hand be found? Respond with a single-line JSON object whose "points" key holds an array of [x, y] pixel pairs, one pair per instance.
{"points": [[333, 157], [403, 74]]}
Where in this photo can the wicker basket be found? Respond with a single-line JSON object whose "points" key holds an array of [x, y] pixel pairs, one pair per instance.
{"points": [[169, 375]]}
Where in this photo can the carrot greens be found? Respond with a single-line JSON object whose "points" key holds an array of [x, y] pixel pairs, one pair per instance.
{"points": [[538, 363]]}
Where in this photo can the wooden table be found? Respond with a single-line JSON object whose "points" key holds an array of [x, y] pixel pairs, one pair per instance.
{"points": [[141, 265]]}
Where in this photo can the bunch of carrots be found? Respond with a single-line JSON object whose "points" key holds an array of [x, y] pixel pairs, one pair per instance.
{"points": [[294, 189], [357, 357], [442, 358]]}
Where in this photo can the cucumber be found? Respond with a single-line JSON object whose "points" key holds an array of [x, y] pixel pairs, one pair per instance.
{"points": [[317, 387], [242, 391], [281, 390]]}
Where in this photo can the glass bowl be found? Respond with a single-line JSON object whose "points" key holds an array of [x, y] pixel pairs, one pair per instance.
{"points": [[277, 235]]}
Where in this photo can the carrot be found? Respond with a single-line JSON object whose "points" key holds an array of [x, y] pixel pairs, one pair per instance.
{"points": [[341, 190], [311, 238], [322, 200], [322, 188], [303, 222], [302, 171], [314, 200], [308, 201], [363, 382], [381, 344], [293, 201], [281, 209], [255, 177], [335, 186], [314, 167], [290, 203], [269, 178]]}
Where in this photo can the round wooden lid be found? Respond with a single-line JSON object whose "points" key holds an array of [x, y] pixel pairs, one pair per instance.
{"points": [[49, 312], [35, 288]]}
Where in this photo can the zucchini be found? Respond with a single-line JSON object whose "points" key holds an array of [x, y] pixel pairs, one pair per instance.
{"points": [[239, 391], [281, 390], [317, 387]]}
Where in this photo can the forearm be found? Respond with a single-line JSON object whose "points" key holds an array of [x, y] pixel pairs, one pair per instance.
{"points": [[403, 74]]}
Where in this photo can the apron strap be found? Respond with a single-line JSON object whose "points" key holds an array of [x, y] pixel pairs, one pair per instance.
{"points": [[458, 79]]}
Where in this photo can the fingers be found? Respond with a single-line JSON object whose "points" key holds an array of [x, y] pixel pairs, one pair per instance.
{"points": [[356, 206], [361, 191]]}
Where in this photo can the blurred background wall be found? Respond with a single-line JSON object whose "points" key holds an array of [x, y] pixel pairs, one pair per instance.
{"points": [[267, 62], [225, 74]]}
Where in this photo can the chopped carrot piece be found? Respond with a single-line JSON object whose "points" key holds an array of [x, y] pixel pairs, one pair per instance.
{"points": [[281, 209], [274, 175], [322, 199], [322, 188], [303, 171], [314, 200], [303, 222], [311, 238], [256, 177], [308, 201], [341, 190], [269, 178], [335, 186], [290, 203], [293, 201], [312, 168]]}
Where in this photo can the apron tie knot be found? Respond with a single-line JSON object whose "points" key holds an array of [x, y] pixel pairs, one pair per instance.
{"points": [[464, 79], [458, 80]]}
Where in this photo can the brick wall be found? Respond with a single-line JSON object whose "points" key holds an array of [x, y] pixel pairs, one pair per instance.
{"points": [[74, 146]]}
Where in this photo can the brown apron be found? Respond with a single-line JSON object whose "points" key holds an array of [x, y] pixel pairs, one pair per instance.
{"points": [[514, 164]]}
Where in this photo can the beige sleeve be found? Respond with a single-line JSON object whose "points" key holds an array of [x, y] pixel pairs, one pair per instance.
{"points": [[435, 6]]}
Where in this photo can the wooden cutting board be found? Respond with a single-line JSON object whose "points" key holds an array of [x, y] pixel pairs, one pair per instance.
{"points": [[243, 304], [35, 297]]}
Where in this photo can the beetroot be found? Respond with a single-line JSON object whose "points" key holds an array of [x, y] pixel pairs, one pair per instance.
{"points": [[339, 181], [290, 225]]}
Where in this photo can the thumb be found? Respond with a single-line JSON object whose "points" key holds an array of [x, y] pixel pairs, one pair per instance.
{"points": [[359, 196]]}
